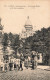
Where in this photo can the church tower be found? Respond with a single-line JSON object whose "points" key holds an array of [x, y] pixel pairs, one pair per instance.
{"points": [[1, 31]]}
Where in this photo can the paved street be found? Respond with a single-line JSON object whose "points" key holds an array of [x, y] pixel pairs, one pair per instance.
{"points": [[26, 74], [43, 67]]}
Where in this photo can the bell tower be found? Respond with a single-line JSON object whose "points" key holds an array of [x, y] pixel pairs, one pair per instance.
{"points": [[1, 30]]}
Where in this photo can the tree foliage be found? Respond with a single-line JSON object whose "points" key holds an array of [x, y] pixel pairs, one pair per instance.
{"points": [[14, 41], [40, 41], [5, 41]]}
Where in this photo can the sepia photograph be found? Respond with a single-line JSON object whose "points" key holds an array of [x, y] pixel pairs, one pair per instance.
{"points": [[24, 40]]}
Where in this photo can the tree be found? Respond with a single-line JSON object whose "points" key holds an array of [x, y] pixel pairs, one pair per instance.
{"points": [[11, 38], [40, 41], [16, 43], [5, 41]]}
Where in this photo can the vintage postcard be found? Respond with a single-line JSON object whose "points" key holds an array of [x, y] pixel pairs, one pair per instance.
{"points": [[24, 39]]}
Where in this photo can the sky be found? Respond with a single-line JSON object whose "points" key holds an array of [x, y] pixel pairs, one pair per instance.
{"points": [[14, 15]]}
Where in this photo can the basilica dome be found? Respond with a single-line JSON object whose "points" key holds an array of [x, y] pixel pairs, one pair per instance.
{"points": [[28, 22]]}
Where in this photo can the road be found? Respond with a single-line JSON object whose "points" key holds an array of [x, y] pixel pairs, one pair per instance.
{"points": [[26, 74]]}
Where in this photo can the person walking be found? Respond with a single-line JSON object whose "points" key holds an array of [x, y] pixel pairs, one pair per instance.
{"points": [[10, 66], [15, 66], [33, 56], [32, 63], [21, 65]]}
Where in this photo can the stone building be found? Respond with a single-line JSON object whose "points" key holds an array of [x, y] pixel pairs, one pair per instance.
{"points": [[28, 29]]}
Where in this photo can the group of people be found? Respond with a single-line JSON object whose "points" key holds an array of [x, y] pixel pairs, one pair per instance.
{"points": [[19, 64], [14, 65], [9, 66]]}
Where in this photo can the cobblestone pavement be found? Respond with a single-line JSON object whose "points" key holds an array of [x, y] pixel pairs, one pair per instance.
{"points": [[26, 74]]}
